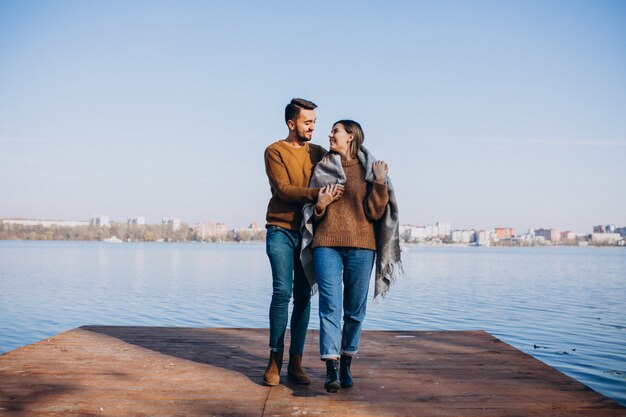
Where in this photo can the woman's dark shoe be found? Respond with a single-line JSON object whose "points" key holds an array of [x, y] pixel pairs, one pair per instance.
{"points": [[271, 376], [332, 376], [345, 377], [295, 373]]}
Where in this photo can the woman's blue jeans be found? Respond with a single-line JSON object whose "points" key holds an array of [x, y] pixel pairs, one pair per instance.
{"points": [[353, 268], [283, 250]]}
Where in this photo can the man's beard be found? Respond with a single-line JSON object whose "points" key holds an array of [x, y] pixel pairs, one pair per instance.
{"points": [[303, 138]]}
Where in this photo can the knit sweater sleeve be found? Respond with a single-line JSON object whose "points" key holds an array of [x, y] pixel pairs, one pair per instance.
{"points": [[376, 201], [279, 180]]}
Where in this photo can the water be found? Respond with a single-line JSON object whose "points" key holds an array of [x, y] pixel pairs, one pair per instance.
{"points": [[564, 306]]}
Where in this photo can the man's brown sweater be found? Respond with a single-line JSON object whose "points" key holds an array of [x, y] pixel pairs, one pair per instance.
{"points": [[349, 221], [289, 171]]}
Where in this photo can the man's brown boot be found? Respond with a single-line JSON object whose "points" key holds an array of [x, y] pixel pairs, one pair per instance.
{"points": [[295, 373], [272, 372]]}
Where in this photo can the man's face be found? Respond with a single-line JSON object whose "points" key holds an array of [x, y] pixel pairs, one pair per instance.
{"points": [[304, 125]]}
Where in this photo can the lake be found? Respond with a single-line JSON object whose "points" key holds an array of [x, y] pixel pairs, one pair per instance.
{"points": [[566, 306]]}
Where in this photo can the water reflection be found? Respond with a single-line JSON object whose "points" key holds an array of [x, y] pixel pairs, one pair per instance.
{"points": [[139, 261]]}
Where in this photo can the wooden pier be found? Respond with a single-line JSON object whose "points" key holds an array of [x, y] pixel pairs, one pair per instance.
{"points": [[148, 371]]}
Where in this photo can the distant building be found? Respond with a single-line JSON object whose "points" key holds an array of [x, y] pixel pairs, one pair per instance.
{"points": [[468, 236], [463, 236], [139, 221], [528, 238], [100, 221], [412, 233], [442, 229], [608, 228], [172, 223], [484, 237], [504, 232], [605, 238], [211, 231], [572, 236], [246, 234], [552, 235], [598, 229]]}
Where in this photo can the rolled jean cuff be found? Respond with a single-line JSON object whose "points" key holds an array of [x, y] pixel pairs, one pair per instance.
{"points": [[275, 350], [330, 356], [349, 353]]}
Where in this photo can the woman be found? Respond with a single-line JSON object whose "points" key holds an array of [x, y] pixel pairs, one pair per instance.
{"points": [[341, 230]]}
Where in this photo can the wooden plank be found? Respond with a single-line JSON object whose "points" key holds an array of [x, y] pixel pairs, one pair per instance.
{"points": [[150, 371]]}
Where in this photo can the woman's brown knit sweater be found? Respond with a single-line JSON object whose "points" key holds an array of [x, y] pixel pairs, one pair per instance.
{"points": [[349, 221]]}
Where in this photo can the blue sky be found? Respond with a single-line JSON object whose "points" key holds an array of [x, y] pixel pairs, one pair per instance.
{"points": [[488, 113]]}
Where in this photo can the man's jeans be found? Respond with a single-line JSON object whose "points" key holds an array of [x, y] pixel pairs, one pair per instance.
{"points": [[283, 250], [353, 267]]}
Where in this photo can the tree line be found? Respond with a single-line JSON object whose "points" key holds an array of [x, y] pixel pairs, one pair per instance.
{"points": [[123, 231]]}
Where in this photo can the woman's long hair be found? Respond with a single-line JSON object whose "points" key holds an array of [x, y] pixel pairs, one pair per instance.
{"points": [[353, 128]]}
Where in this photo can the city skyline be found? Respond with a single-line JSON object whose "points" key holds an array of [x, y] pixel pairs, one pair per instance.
{"points": [[489, 114], [171, 229], [102, 220]]}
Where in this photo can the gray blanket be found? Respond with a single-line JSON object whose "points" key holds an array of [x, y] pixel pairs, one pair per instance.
{"points": [[388, 261]]}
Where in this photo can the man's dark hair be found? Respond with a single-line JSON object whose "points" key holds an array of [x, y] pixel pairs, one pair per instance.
{"points": [[292, 111]]}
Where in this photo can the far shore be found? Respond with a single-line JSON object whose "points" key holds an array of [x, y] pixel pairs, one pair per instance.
{"points": [[405, 246]]}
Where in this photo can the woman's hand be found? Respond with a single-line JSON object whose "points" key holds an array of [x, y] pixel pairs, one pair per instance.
{"points": [[328, 194], [380, 169]]}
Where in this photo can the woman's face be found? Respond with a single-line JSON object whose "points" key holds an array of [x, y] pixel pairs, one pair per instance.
{"points": [[340, 139]]}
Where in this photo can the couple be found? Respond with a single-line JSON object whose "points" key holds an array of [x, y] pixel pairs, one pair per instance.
{"points": [[330, 217]]}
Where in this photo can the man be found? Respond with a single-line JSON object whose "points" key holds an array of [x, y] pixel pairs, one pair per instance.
{"points": [[288, 164]]}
